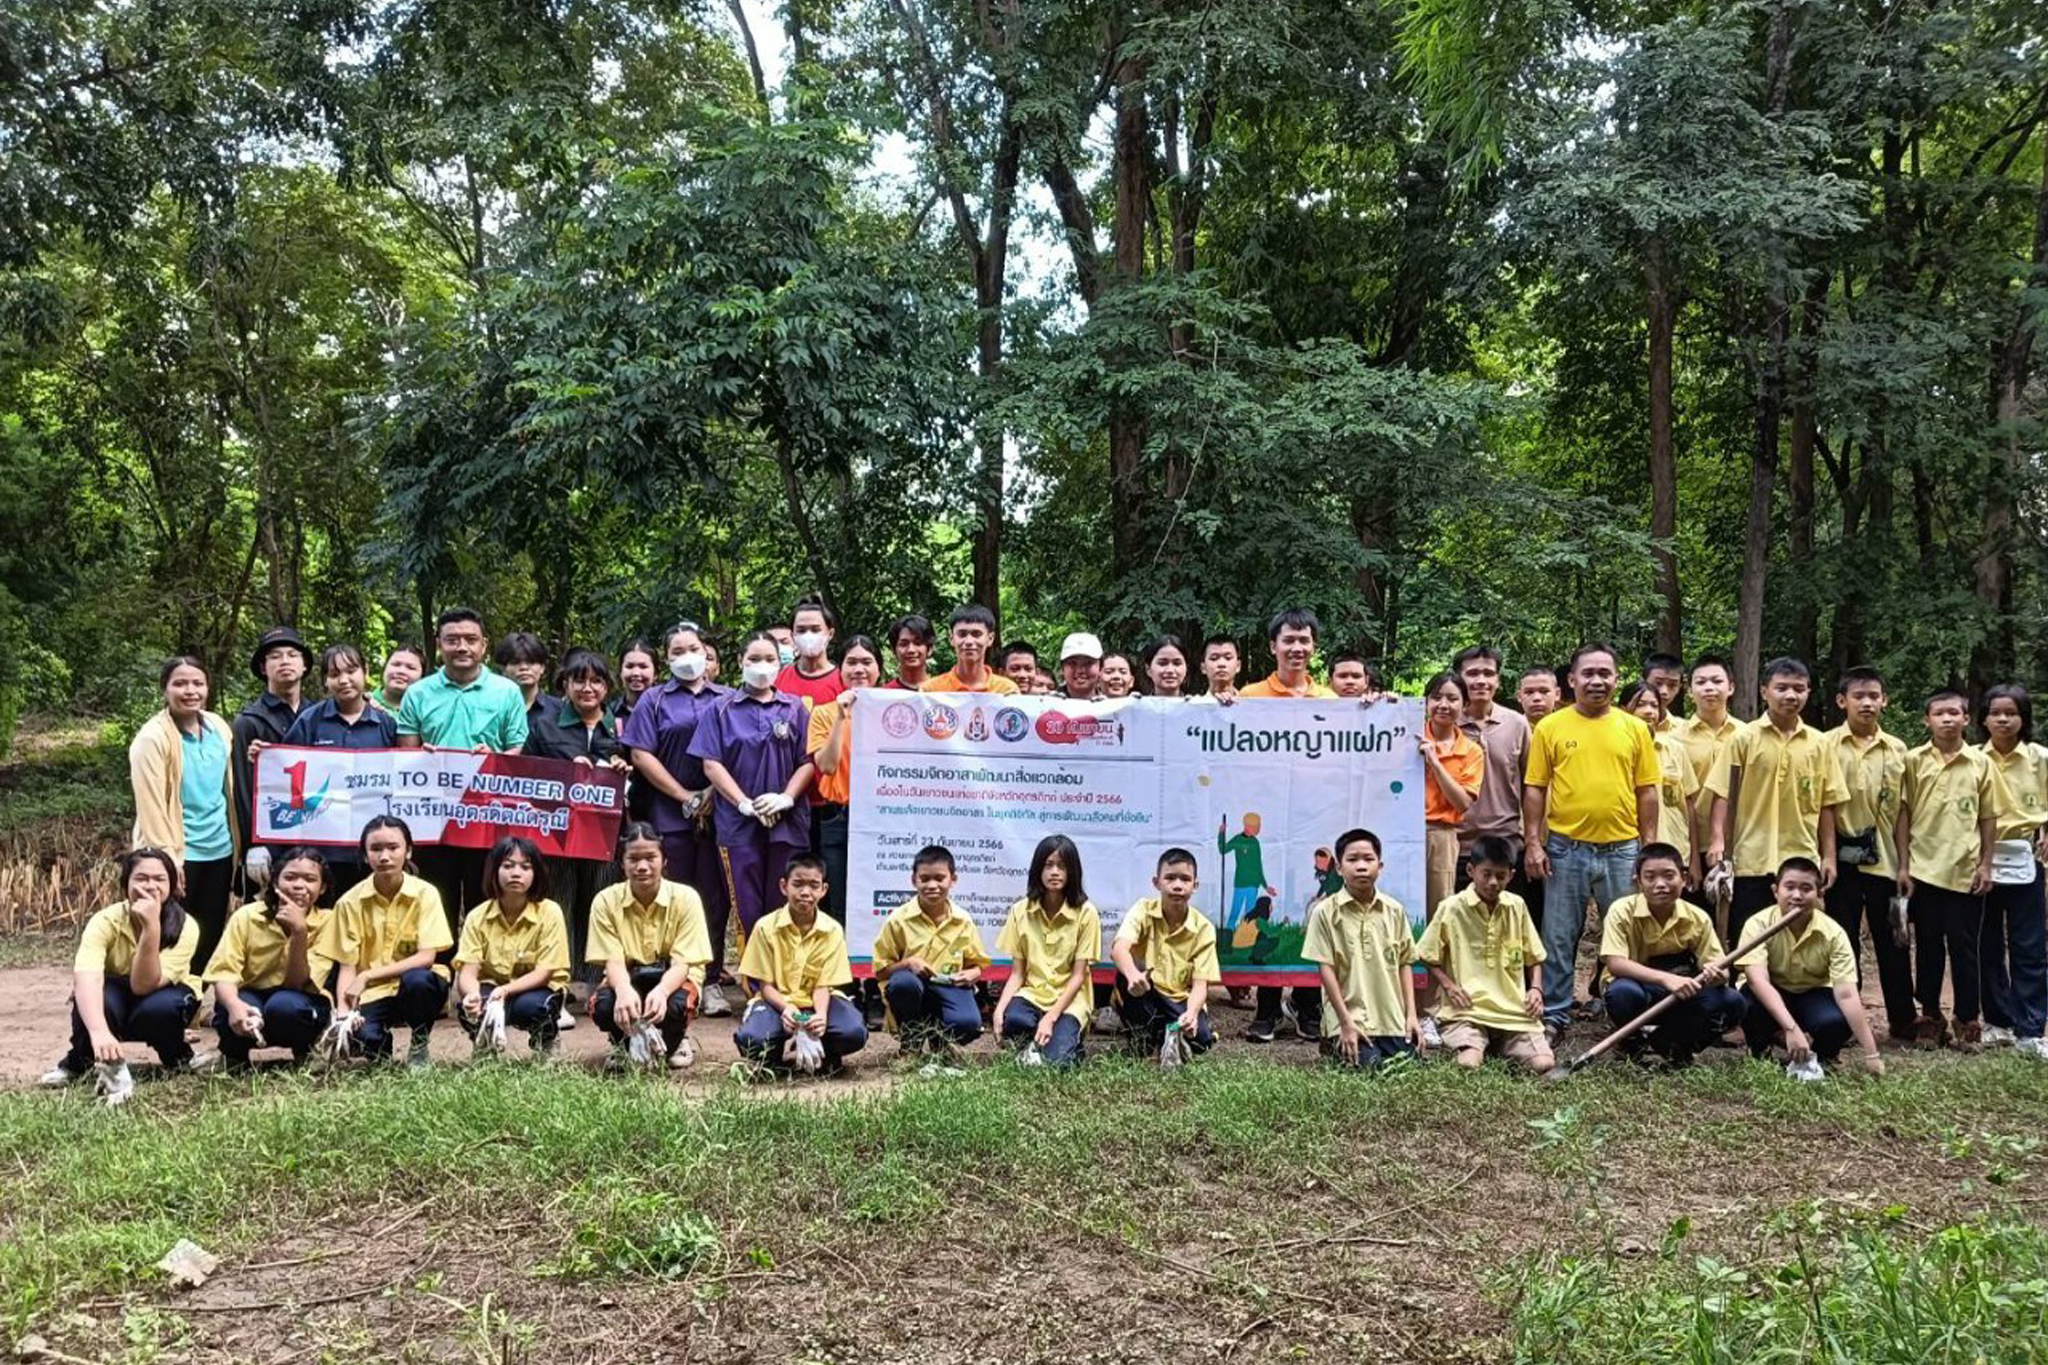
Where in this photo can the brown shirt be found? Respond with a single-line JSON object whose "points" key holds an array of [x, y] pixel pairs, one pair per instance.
{"points": [[1504, 734]]}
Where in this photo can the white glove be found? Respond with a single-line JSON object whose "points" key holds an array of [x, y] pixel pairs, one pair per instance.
{"points": [[1174, 1051], [1808, 1070], [645, 1047], [114, 1082], [806, 1053], [490, 1030], [256, 864], [769, 804], [337, 1043]]}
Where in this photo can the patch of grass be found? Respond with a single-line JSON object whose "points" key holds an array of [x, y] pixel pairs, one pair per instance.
{"points": [[1872, 1295]]}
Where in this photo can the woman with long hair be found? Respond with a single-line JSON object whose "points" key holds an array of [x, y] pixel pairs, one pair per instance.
{"points": [[184, 783]]}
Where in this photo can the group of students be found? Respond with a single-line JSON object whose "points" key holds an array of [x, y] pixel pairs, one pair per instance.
{"points": [[738, 788]]}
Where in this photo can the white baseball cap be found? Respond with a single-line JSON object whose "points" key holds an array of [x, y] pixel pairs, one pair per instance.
{"points": [[1080, 645]]}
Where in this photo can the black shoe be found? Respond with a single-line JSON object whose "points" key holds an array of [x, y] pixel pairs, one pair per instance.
{"points": [[873, 1015], [1310, 1027], [1261, 1031]]}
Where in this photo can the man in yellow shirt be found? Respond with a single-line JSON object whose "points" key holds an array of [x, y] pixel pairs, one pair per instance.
{"points": [[1165, 955], [2015, 950], [1944, 832], [1802, 984], [648, 935], [1363, 949], [1873, 764], [1654, 944], [794, 958], [1589, 804], [1774, 790], [1485, 956], [928, 957], [1707, 731]]}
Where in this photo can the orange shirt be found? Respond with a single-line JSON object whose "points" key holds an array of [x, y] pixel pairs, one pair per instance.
{"points": [[832, 786], [1465, 760], [991, 681], [1271, 686]]}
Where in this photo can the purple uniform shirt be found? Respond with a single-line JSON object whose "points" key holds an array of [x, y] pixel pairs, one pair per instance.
{"points": [[663, 724], [761, 743]]}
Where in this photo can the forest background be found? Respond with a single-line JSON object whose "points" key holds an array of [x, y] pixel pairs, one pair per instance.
{"points": [[1709, 326]]}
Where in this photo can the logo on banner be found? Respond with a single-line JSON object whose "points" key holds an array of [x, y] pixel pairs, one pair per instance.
{"points": [[899, 720], [941, 721], [1012, 725], [977, 725], [1055, 728], [297, 807]]}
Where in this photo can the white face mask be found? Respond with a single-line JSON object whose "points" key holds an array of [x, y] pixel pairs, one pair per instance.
{"points": [[687, 666], [759, 674], [810, 643]]}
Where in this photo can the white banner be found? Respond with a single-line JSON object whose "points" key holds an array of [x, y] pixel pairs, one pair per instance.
{"points": [[1258, 792]]}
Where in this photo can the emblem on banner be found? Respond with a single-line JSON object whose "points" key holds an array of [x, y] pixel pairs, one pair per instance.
{"points": [[899, 720], [297, 807], [941, 721], [1012, 725]]}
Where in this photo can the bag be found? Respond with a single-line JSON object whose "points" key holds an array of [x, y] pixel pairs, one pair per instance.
{"points": [[2012, 862], [1857, 850]]}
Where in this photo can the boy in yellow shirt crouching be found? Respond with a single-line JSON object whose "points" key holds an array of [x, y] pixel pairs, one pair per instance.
{"points": [[1165, 955], [1481, 948], [928, 958]]}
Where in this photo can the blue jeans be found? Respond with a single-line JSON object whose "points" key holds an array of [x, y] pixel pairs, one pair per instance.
{"points": [[924, 1010], [761, 1035], [1606, 872], [2014, 947], [1020, 1026], [292, 1019]]}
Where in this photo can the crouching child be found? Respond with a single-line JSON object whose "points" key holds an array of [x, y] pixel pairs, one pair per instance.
{"points": [[794, 958], [1165, 955], [1486, 959], [1654, 945]]}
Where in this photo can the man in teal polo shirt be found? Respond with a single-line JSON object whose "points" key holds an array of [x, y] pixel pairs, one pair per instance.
{"points": [[462, 705]]}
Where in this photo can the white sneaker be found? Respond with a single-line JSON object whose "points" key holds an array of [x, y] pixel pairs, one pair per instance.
{"points": [[58, 1075], [199, 1063], [1107, 1020], [565, 1020], [684, 1057], [1997, 1036], [2032, 1047], [715, 1005]]}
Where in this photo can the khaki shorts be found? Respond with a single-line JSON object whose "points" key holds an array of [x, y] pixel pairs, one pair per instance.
{"points": [[1440, 869], [1521, 1048]]}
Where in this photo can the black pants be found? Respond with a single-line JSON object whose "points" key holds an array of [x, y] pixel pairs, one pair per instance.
{"points": [[1951, 920], [1751, 895], [574, 884], [458, 874], [1816, 1013], [208, 888], [1149, 1015], [157, 1019], [675, 1022], [1860, 897], [1308, 1004]]}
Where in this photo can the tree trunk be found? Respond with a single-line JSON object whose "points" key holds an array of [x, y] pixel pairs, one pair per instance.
{"points": [[1991, 661], [1663, 316], [1799, 488], [1129, 504]]}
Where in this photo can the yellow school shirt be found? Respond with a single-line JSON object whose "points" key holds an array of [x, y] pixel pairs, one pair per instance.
{"points": [[1676, 786], [1174, 959], [1485, 950], [108, 946], [253, 949], [1871, 774], [366, 930], [949, 944], [670, 929], [1632, 931], [1944, 798], [1704, 744], [1815, 957], [1050, 946], [1592, 766], [1370, 948], [501, 949], [2019, 789], [1787, 781], [796, 960]]}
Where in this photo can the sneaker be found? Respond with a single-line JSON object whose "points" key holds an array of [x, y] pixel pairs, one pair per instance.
{"points": [[873, 1014], [59, 1075], [565, 1019], [1261, 1031], [416, 1056], [1930, 1031], [2032, 1047], [199, 1063], [1997, 1035], [1107, 1020], [1309, 1027], [715, 1005], [684, 1057]]}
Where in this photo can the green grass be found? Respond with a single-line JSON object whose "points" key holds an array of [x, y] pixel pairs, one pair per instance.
{"points": [[637, 1181]]}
